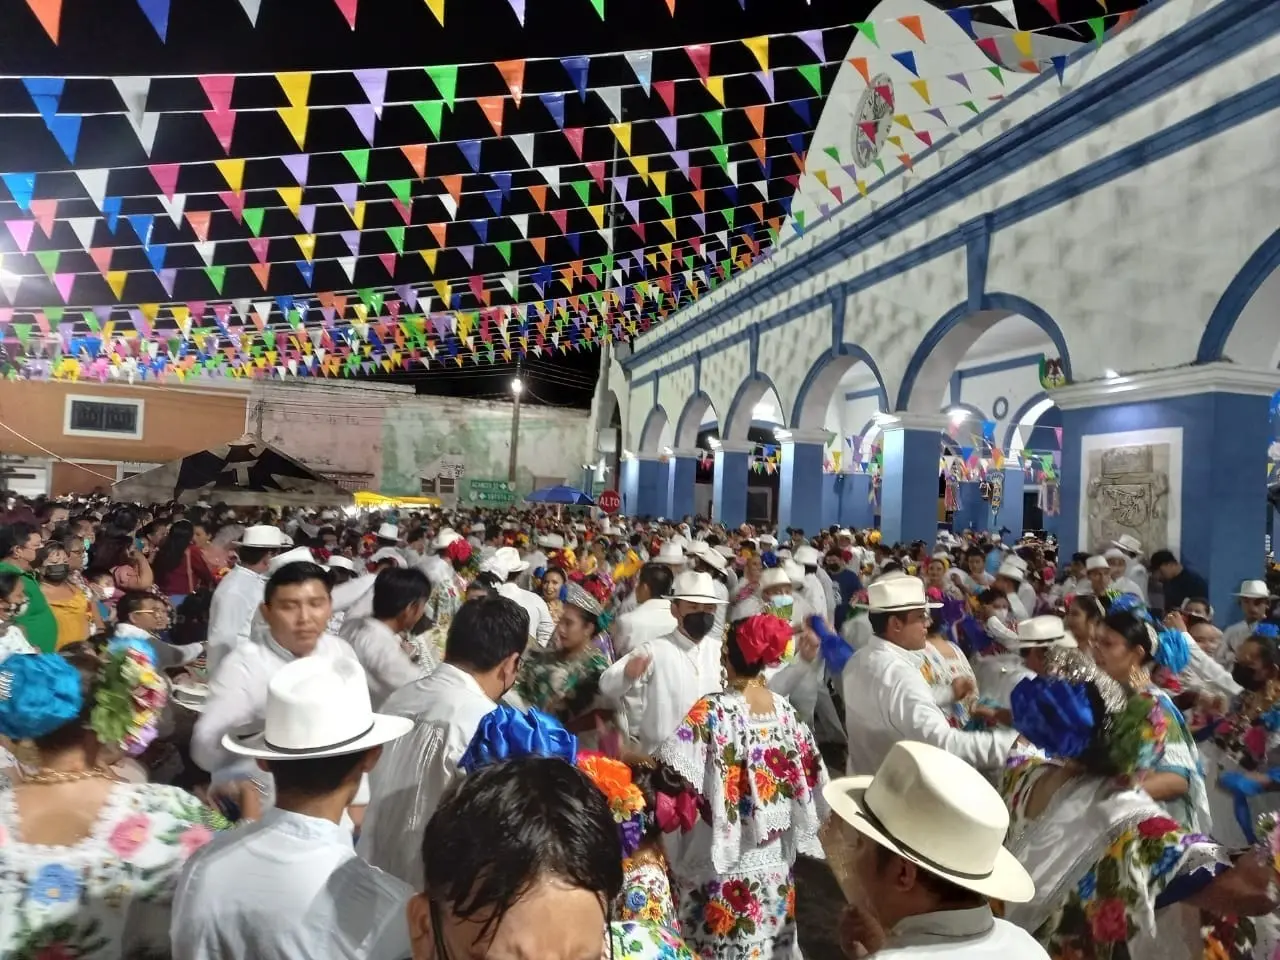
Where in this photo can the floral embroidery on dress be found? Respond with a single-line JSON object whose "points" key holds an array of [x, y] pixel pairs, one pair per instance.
{"points": [[645, 941], [646, 894]]}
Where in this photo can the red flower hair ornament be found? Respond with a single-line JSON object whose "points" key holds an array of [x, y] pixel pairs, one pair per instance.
{"points": [[762, 638], [459, 551]]}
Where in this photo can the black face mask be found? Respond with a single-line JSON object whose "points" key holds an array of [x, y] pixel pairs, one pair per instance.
{"points": [[1242, 674], [832, 569], [56, 572], [698, 624]]}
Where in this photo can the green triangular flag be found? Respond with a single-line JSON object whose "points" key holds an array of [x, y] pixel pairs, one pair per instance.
{"points": [[295, 318], [813, 73], [371, 299], [597, 269], [995, 72], [729, 214], [716, 119], [92, 322], [721, 153], [397, 238], [23, 330], [54, 314], [48, 260], [832, 152], [667, 203], [583, 189], [868, 30], [359, 160], [504, 248], [254, 216], [217, 276], [403, 189], [1099, 27], [446, 81], [607, 259], [799, 219], [971, 105], [879, 163], [269, 336], [432, 112], [599, 5]]}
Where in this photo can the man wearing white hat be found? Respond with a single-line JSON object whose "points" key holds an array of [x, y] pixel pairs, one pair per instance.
{"points": [[1026, 592], [291, 884], [817, 587], [1009, 582], [1131, 547], [885, 694], [354, 599], [1118, 564], [438, 569], [506, 565], [239, 593], [537, 558], [1255, 601], [929, 857], [660, 681], [703, 558], [672, 553]]}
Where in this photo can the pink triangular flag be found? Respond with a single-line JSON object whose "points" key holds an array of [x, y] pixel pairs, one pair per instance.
{"points": [[166, 175], [223, 126], [388, 262], [21, 231], [218, 88], [63, 282], [348, 8], [45, 212], [259, 247], [235, 203]]}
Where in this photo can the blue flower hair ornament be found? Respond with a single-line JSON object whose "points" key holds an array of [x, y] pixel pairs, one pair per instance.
{"points": [[1172, 648], [1268, 631], [506, 733], [769, 559], [835, 651], [1127, 603], [39, 693], [1055, 715]]}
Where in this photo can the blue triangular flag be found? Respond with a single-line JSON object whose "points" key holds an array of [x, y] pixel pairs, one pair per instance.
{"points": [[66, 130], [503, 182], [155, 253], [481, 228], [142, 224], [22, 186], [111, 211], [554, 102], [796, 142], [495, 199], [964, 20], [907, 59], [732, 192], [577, 68], [471, 150], [801, 107], [157, 12], [285, 303], [45, 92], [575, 241], [1060, 67]]}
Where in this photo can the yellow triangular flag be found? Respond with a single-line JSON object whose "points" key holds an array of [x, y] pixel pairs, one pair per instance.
{"points": [[821, 176], [430, 256], [115, 280], [597, 212], [903, 119], [149, 310], [232, 171], [1022, 40], [670, 225], [715, 86], [295, 118], [443, 290], [291, 197], [641, 165], [922, 87], [759, 46], [660, 181], [296, 86], [182, 315], [623, 132], [307, 244], [357, 215], [437, 7], [862, 187]]}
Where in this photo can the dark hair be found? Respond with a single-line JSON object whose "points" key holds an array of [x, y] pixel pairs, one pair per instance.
{"points": [[395, 590], [545, 573], [174, 549], [658, 578], [292, 574], [152, 527], [948, 893], [736, 659], [1135, 631], [1091, 605], [990, 596], [486, 631], [8, 580], [46, 548], [1079, 558], [652, 778], [314, 776], [487, 581], [252, 556], [131, 602], [499, 830], [15, 535], [84, 658], [880, 620], [109, 551], [1161, 557]]}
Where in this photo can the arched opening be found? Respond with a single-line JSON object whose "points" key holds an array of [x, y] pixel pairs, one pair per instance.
{"points": [[607, 449], [1242, 327], [696, 411], [754, 418], [657, 432], [839, 395]]}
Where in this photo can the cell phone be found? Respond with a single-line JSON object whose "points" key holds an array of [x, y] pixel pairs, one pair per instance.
{"points": [[228, 808]]}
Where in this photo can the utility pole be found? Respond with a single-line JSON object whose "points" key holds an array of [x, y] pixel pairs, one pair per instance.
{"points": [[517, 388], [259, 409]]}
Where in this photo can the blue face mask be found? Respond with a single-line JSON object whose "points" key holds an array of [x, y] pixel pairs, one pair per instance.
{"points": [[782, 603]]}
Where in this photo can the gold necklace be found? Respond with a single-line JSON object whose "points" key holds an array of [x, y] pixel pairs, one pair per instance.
{"points": [[45, 775], [742, 685]]}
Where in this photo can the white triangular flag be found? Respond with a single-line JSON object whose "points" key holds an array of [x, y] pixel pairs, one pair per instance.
{"points": [[348, 265], [9, 283], [95, 184], [251, 8], [450, 204], [133, 91], [146, 131], [551, 175], [206, 249], [1006, 9], [174, 207], [521, 220], [524, 141], [82, 227], [612, 97], [241, 307]]}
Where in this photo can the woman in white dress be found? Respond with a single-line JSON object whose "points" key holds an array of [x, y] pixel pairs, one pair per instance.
{"points": [[89, 862]]}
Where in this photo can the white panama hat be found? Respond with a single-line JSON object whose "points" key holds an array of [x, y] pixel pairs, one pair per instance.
{"points": [[896, 594], [936, 811], [390, 553], [445, 538], [388, 531], [1128, 542], [670, 553], [1097, 562], [296, 555], [551, 541], [807, 556], [339, 562], [1253, 590], [793, 570], [317, 707], [505, 561], [1043, 631], [707, 555], [695, 588], [263, 537], [1012, 572], [774, 577]]}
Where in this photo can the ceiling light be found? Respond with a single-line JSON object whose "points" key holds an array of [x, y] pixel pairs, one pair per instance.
{"points": [[958, 414]]}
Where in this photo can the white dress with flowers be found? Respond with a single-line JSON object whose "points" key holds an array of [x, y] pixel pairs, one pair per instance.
{"points": [[108, 896], [761, 779]]}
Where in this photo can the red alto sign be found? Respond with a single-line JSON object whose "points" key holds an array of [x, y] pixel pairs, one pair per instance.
{"points": [[609, 501]]}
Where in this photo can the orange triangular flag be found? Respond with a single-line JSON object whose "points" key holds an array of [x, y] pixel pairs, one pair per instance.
{"points": [[438, 231], [539, 194], [513, 73], [416, 154], [453, 184], [860, 64], [492, 107], [261, 271], [199, 220], [540, 245], [758, 146], [49, 13], [913, 24], [756, 116], [102, 259]]}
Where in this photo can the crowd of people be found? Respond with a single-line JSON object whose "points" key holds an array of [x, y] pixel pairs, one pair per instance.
{"points": [[245, 732]]}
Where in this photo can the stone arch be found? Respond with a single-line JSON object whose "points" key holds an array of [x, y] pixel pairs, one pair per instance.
{"points": [[1242, 325], [737, 420], [823, 379], [690, 422], [972, 412], [951, 337], [655, 426], [1023, 419]]}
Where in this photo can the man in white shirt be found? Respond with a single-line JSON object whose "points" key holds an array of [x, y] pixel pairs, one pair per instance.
{"points": [[354, 599], [1009, 581], [886, 697], [1255, 600], [652, 618], [291, 884], [506, 565], [1130, 548], [435, 565], [296, 608], [818, 588], [537, 558], [928, 858], [1026, 592], [239, 594], [661, 680], [399, 597], [482, 654], [1121, 582]]}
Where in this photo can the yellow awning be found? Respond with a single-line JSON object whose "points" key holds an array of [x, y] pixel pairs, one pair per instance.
{"points": [[367, 499]]}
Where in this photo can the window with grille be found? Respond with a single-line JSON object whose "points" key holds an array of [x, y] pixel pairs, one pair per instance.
{"points": [[103, 417]]}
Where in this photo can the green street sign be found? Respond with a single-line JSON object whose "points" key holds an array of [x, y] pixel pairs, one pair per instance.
{"points": [[491, 493]]}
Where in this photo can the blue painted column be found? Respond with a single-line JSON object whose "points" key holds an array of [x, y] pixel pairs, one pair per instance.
{"points": [[1214, 435], [972, 514], [729, 491], [846, 501], [800, 485], [652, 489], [682, 476], [909, 489], [1011, 507], [629, 485]]}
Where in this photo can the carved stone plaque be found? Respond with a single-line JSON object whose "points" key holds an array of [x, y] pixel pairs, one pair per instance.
{"points": [[1128, 492]]}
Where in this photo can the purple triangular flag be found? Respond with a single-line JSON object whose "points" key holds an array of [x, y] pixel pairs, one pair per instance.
{"points": [[408, 294], [961, 79], [347, 193], [633, 208], [167, 277], [468, 254], [352, 240], [813, 39], [766, 81], [366, 120], [374, 85], [681, 157], [668, 127], [307, 217], [518, 7], [298, 164]]}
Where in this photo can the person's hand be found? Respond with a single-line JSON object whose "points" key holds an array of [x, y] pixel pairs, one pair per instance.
{"points": [[636, 667], [249, 797], [1174, 621], [963, 687], [809, 646]]}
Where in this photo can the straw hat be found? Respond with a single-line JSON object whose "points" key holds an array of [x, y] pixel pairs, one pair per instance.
{"points": [[670, 553], [296, 555], [1253, 590], [339, 562], [1097, 563], [390, 553], [936, 811], [445, 538], [262, 537], [897, 594], [504, 562], [774, 577], [317, 707], [1128, 543], [807, 556], [1043, 632], [388, 531], [1012, 572], [695, 588], [707, 555], [551, 541]]}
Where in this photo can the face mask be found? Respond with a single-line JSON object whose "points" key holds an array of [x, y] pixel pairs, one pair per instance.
{"points": [[1242, 674], [19, 610], [832, 569], [57, 572], [781, 601], [697, 625], [108, 592]]}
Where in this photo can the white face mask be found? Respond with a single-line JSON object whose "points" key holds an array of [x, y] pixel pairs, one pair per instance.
{"points": [[108, 592], [781, 601]]}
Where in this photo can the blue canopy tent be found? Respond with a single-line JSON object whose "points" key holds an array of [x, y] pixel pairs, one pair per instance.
{"points": [[570, 496]]}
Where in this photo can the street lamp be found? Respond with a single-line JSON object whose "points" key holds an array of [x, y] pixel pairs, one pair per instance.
{"points": [[517, 389], [517, 386]]}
